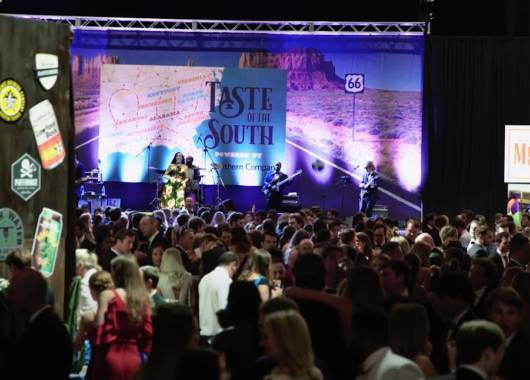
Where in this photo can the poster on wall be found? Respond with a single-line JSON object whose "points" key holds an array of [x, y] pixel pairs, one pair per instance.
{"points": [[151, 112], [47, 134], [25, 177], [47, 240]]}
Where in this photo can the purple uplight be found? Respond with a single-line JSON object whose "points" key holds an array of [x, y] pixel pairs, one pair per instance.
{"points": [[408, 164]]}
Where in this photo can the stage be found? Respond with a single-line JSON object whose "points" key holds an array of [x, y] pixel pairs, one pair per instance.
{"points": [[324, 104]]}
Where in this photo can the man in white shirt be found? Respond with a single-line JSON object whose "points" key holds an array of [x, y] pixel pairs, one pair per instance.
{"points": [[480, 347], [213, 294], [370, 334]]}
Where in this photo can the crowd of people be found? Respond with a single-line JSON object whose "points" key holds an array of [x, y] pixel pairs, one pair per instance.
{"points": [[209, 294]]}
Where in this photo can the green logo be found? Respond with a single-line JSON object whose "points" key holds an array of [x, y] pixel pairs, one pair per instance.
{"points": [[11, 232], [25, 177]]}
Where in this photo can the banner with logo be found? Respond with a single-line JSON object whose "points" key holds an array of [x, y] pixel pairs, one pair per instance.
{"points": [[151, 112]]}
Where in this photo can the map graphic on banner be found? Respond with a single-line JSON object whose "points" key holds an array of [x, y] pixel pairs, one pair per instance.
{"points": [[148, 113]]}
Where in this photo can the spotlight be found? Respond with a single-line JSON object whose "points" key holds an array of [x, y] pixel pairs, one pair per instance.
{"points": [[317, 165]]}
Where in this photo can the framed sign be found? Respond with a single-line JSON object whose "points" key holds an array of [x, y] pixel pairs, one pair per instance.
{"points": [[517, 154]]}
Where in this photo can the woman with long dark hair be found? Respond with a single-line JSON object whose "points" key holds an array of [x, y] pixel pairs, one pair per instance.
{"points": [[240, 337], [175, 331]]}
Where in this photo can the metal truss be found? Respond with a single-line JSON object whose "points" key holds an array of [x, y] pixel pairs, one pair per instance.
{"points": [[125, 39], [228, 26]]}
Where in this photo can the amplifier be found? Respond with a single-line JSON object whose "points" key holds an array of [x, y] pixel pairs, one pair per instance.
{"points": [[381, 211], [290, 203], [94, 188], [98, 201]]}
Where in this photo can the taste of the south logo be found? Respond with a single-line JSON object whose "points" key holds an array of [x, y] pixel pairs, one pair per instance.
{"points": [[12, 100]]}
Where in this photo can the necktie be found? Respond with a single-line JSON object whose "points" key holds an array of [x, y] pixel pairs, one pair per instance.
{"points": [[504, 260]]}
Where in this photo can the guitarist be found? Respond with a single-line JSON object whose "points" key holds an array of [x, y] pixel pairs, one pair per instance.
{"points": [[369, 186], [79, 179], [272, 178]]}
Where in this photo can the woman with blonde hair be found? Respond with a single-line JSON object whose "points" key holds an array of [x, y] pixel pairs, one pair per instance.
{"points": [[174, 281], [257, 269], [86, 264], [124, 327], [403, 243], [285, 339]]}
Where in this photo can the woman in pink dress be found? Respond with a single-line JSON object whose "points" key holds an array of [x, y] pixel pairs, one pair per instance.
{"points": [[124, 324]]}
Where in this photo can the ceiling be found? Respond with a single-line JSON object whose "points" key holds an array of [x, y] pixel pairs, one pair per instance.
{"points": [[499, 17]]}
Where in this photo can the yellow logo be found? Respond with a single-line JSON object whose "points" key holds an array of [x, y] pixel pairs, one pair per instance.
{"points": [[12, 100]]}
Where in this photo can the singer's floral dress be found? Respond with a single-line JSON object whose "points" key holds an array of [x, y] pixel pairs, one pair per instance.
{"points": [[173, 193]]}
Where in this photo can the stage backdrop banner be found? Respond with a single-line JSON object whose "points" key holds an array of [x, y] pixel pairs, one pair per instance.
{"points": [[517, 154], [139, 97], [149, 112]]}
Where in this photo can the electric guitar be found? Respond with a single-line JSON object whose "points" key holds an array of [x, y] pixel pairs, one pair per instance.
{"points": [[364, 188], [275, 186]]}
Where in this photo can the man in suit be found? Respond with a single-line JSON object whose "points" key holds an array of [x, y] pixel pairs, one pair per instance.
{"points": [[150, 232], [123, 243], [45, 348], [483, 278], [505, 309], [273, 177], [519, 251], [369, 189], [377, 361], [500, 257], [455, 306], [484, 243], [480, 347]]}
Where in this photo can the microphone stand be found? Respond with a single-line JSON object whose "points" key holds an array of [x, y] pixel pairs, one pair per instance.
{"points": [[214, 167], [148, 147], [155, 202]]}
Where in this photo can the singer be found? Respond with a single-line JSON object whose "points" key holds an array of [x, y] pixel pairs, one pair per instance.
{"points": [[176, 176]]}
